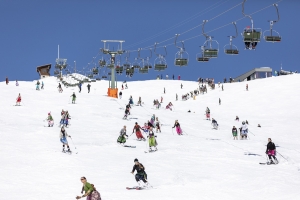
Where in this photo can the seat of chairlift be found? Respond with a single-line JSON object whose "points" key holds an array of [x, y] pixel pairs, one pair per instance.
{"points": [[272, 38], [202, 59], [232, 51], [159, 67], [136, 66], [211, 53], [143, 70], [181, 62]]}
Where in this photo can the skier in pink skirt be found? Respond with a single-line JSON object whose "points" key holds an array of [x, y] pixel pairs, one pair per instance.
{"points": [[178, 129]]}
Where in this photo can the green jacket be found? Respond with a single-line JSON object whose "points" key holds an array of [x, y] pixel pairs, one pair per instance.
{"points": [[88, 187]]}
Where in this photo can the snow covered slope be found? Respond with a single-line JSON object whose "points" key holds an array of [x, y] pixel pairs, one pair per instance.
{"points": [[202, 164]]}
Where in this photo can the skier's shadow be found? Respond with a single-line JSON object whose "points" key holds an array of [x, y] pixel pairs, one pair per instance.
{"points": [[251, 154], [212, 139]]}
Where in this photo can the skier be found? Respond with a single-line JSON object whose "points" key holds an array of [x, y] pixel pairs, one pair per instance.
{"points": [[128, 107], [169, 106], [161, 99], [181, 85], [126, 87], [6, 81], [62, 114], [152, 119], [60, 90], [19, 99], [38, 85], [89, 88], [140, 101], [157, 125], [130, 100], [126, 113], [244, 130], [259, 126], [73, 98], [214, 123], [222, 88], [149, 124], [42, 85], [17, 84], [271, 152], [178, 129], [207, 113], [138, 132], [66, 118], [79, 85], [164, 90], [141, 174], [122, 87], [173, 76], [122, 138], [234, 133], [152, 140], [50, 120], [90, 191], [219, 101], [176, 97], [247, 87], [237, 118], [63, 139], [120, 94]]}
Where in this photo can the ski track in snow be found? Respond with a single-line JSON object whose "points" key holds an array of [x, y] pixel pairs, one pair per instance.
{"points": [[202, 164]]}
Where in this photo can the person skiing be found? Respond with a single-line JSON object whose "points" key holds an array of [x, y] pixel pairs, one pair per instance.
{"points": [[178, 129], [152, 140], [122, 139], [234, 133], [140, 101], [62, 120], [88, 87], [207, 112], [60, 90], [161, 99], [214, 123], [138, 133], [181, 85], [152, 119], [176, 97], [140, 175], [120, 94], [222, 88], [149, 124], [79, 85], [19, 99], [122, 87], [157, 125], [6, 81], [126, 87], [164, 90], [244, 130], [73, 98], [42, 87], [169, 106], [130, 100], [89, 191], [247, 87], [126, 113], [271, 152], [66, 118], [219, 101], [38, 85], [237, 118], [50, 120], [17, 84], [63, 139]]}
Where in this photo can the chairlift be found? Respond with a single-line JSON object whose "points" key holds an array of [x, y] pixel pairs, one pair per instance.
{"points": [[200, 56], [144, 69], [181, 57], [160, 62], [56, 72], [271, 37], [231, 49], [95, 71], [119, 67], [129, 71], [250, 35], [210, 50], [136, 64]]}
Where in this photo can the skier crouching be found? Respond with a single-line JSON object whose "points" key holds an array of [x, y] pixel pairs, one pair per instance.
{"points": [[141, 174], [50, 120], [138, 132], [178, 129], [90, 191], [214, 123], [122, 138]]}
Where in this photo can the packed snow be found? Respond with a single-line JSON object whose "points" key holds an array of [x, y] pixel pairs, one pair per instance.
{"points": [[204, 163]]}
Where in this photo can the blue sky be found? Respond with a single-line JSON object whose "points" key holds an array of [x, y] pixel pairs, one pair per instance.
{"points": [[31, 30]]}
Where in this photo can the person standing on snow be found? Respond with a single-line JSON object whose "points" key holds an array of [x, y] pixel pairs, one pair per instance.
{"points": [[244, 130], [214, 123], [38, 85], [176, 97], [120, 94], [140, 101], [122, 139], [90, 191], [181, 85], [19, 99], [66, 119], [6, 81], [247, 87], [234, 133], [271, 152], [63, 139], [42, 87], [60, 90], [141, 174], [219, 101], [152, 119], [137, 130], [152, 140], [207, 112], [17, 84], [161, 99], [178, 129], [73, 98], [222, 88], [79, 85], [157, 125], [50, 120], [164, 90], [89, 88], [62, 114]]}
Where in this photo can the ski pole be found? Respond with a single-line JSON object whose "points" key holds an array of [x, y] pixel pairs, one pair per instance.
{"points": [[74, 146], [172, 131], [251, 133], [281, 155], [131, 134]]}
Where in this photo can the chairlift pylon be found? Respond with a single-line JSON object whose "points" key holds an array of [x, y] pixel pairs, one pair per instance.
{"points": [[160, 62], [271, 37], [231, 49], [250, 35], [181, 57]]}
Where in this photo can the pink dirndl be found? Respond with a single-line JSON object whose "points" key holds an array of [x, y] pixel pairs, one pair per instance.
{"points": [[178, 130], [271, 152]]}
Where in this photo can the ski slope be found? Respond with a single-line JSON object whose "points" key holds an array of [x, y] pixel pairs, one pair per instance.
{"points": [[203, 164]]}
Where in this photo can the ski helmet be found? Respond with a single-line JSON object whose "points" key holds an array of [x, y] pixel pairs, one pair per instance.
{"points": [[243, 122], [136, 160]]}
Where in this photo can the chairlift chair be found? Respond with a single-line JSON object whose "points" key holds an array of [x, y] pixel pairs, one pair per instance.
{"points": [[271, 37], [231, 49], [119, 69], [200, 56], [181, 57], [160, 62], [210, 47]]}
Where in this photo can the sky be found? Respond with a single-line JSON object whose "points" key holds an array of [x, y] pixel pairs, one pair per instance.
{"points": [[31, 31]]}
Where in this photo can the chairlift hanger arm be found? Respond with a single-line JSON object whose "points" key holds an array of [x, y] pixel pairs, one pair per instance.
{"points": [[243, 11], [236, 30], [277, 10], [203, 32]]}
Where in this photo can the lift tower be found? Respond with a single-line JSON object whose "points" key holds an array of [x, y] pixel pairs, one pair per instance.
{"points": [[112, 84]]}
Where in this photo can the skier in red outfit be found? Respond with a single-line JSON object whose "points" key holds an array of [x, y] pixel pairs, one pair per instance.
{"points": [[138, 133], [18, 100]]}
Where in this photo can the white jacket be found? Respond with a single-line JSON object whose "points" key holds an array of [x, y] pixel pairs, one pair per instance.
{"points": [[61, 134], [244, 127]]}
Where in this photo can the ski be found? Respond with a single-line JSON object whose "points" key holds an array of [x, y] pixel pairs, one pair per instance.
{"points": [[262, 163], [131, 188], [150, 151], [129, 146], [67, 152]]}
